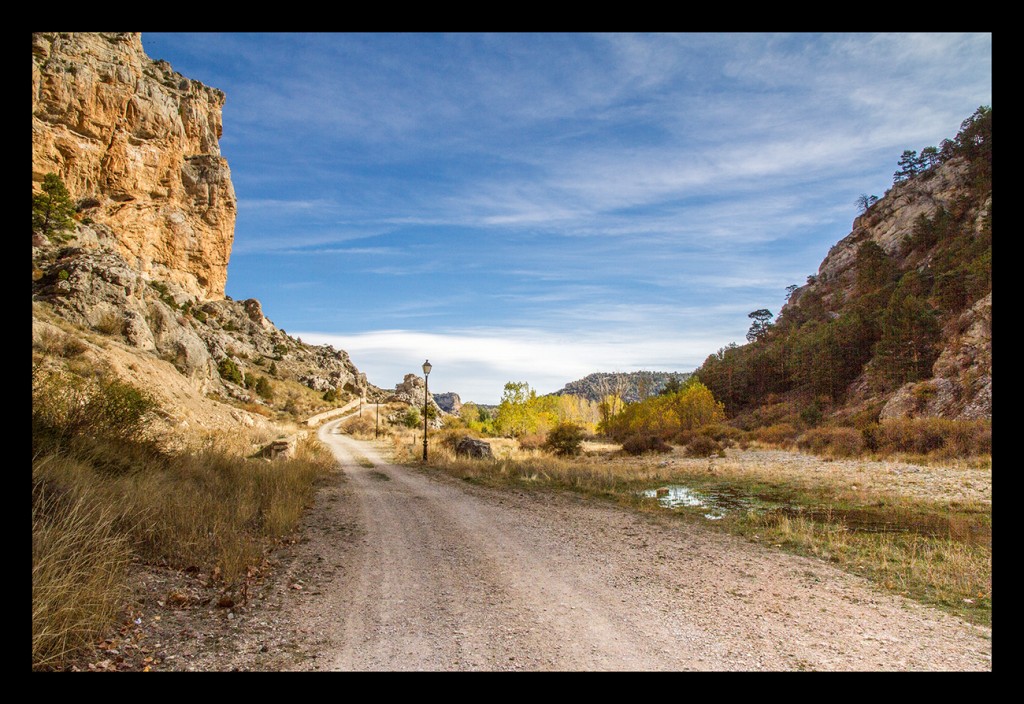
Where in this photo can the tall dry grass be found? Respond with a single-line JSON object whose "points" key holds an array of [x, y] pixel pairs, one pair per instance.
{"points": [[105, 493], [80, 557]]}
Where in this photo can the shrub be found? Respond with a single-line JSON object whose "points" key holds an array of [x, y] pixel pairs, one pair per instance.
{"points": [[639, 444], [229, 371], [65, 406], [565, 439], [704, 446], [811, 414], [832, 442], [721, 431], [531, 441], [264, 389], [452, 422], [411, 419], [110, 323], [57, 343], [362, 427], [683, 437], [779, 434], [941, 437]]}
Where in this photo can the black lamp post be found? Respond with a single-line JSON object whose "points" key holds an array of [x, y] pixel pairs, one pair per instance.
{"points": [[426, 372]]}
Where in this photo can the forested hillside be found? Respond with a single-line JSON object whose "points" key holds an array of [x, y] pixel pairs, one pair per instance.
{"points": [[897, 321]]}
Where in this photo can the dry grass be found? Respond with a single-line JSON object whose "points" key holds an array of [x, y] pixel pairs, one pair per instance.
{"points": [[105, 493], [209, 509], [361, 427], [944, 570], [79, 561]]}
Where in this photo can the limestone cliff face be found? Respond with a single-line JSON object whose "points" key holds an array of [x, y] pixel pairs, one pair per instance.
{"points": [[960, 384], [137, 146], [888, 224]]}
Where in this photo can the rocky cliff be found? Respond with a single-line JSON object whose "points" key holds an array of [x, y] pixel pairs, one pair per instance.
{"points": [[139, 281], [958, 384], [897, 322], [136, 144], [449, 402]]}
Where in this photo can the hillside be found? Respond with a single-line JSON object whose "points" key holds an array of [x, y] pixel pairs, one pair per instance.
{"points": [[136, 274], [629, 386], [897, 320], [157, 400]]}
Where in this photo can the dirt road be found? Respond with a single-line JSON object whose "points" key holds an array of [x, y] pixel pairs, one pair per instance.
{"points": [[406, 569]]}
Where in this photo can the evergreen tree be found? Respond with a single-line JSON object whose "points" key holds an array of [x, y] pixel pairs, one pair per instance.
{"points": [[762, 323], [910, 166], [910, 330], [52, 209]]}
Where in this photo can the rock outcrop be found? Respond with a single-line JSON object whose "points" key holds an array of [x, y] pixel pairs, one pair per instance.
{"points": [[448, 402], [473, 448], [960, 384], [98, 289], [136, 144], [888, 224], [412, 390]]}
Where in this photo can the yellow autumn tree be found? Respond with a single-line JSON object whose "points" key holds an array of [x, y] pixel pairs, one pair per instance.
{"points": [[690, 408]]}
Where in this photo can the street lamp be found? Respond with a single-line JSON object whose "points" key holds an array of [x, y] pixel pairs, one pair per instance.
{"points": [[426, 372]]}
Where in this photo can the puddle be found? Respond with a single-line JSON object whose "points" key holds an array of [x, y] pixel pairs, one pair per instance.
{"points": [[718, 503], [677, 496]]}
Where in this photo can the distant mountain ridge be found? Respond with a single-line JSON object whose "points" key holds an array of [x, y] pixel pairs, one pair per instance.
{"points": [[630, 386]]}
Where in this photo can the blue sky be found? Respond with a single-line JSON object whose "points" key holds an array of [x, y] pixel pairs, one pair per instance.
{"points": [[536, 207]]}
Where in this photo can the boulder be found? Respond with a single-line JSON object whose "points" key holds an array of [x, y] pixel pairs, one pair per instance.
{"points": [[473, 448]]}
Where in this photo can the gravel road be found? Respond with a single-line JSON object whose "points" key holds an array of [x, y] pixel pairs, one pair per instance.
{"points": [[409, 569]]}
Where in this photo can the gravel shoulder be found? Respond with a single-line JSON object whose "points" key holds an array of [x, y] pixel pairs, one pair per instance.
{"points": [[409, 569]]}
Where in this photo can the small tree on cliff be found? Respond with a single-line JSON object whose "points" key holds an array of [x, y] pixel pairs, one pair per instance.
{"points": [[52, 209], [762, 323]]}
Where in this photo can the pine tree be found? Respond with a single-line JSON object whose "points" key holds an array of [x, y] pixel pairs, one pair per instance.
{"points": [[52, 209]]}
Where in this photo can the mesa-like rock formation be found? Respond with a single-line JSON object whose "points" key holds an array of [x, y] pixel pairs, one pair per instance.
{"points": [[136, 144], [630, 387]]}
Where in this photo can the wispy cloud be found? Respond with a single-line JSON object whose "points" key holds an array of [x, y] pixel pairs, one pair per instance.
{"points": [[511, 188]]}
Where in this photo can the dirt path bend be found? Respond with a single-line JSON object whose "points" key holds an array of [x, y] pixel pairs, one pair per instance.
{"points": [[407, 569]]}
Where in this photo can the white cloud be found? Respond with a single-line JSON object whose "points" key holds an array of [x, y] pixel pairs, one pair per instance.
{"points": [[476, 364]]}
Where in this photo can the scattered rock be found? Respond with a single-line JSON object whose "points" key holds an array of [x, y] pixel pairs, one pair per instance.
{"points": [[473, 448]]}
